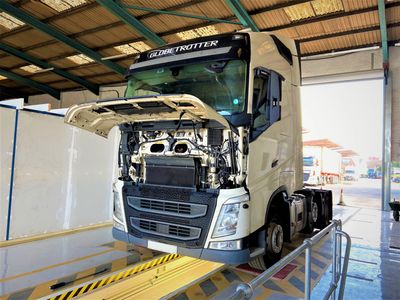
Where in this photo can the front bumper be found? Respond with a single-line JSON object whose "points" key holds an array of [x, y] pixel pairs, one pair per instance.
{"points": [[223, 256]]}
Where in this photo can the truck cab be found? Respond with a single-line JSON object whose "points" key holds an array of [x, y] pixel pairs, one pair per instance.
{"points": [[210, 155]]}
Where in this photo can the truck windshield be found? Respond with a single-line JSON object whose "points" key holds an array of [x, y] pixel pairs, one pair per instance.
{"points": [[308, 161], [220, 84]]}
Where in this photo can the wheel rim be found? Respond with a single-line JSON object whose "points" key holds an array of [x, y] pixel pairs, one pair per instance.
{"points": [[277, 239], [314, 212]]}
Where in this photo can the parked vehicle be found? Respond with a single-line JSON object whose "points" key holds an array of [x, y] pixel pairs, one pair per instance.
{"points": [[371, 173], [321, 165], [351, 174], [396, 174], [211, 154]]}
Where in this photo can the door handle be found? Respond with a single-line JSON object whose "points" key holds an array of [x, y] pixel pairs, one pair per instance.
{"points": [[274, 163]]}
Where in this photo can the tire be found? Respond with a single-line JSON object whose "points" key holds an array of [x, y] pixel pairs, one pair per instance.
{"points": [[312, 219], [396, 215], [323, 209], [273, 248]]}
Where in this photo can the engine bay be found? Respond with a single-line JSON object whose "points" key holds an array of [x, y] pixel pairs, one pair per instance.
{"points": [[182, 153]]}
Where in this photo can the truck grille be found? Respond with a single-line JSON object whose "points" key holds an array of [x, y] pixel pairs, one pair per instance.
{"points": [[179, 232], [172, 208], [169, 214]]}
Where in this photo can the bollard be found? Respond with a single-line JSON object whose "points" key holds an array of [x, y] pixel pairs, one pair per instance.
{"points": [[341, 201]]}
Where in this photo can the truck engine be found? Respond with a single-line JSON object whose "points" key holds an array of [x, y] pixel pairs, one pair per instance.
{"points": [[184, 154]]}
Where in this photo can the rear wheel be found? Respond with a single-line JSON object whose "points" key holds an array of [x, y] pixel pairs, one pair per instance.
{"points": [[323, 210], [313, 217], [273, 247]]}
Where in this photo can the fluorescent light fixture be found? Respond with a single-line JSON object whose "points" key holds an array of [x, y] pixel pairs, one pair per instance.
{"points": [[198, 32], [333, 54], [80, 59], [133, 48], [114, 56], [9, 21], [61, 5], [3, 77], [45, 70], [31, 68]]}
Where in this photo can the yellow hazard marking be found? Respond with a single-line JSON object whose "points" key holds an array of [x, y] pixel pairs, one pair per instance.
{"points": [[113, 278]]}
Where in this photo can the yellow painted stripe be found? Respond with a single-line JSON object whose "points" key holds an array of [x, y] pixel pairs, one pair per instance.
{"points": [[111, 279], [56, 265], [45, 236], [83, 290], [73, 294], [102, 282]]}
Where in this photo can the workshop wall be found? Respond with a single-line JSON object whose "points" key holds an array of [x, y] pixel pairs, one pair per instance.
{"points": [[7, 120], [62, 177]]}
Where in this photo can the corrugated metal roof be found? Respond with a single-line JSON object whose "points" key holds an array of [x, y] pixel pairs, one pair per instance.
{"points": [[347, 23]]}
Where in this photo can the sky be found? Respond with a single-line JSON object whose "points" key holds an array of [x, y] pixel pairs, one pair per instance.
{"points": [[349, 114]]}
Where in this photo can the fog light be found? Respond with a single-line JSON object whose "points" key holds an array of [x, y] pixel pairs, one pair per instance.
{"points": [[118, 225], [226, 245]]}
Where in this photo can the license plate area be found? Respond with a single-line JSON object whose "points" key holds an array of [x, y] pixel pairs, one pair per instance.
{"points": [[172, 249]]}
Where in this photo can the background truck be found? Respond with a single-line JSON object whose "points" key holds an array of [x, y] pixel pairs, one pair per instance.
{"points": [[210, 156], [321, 165], [351, 174]]}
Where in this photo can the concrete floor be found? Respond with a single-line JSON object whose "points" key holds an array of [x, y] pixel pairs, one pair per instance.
{"points": [[374, 259], [362, 193]]}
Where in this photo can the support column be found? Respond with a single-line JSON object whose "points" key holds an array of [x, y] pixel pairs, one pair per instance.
{"points": [[387, 133]]}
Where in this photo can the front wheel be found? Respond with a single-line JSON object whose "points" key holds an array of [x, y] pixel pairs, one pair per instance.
{"points": [[273, 247]]}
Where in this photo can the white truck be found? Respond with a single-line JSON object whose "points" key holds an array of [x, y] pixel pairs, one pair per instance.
{"points": [[321, 165], [210, 155], [351, 173]]}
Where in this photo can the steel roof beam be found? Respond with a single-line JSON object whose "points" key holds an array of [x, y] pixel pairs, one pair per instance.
{"points": [[94, 88], [31, 83], [242, 14], [9, 93], [29, 20], [131, 21], [383, 28], [179, 14]]}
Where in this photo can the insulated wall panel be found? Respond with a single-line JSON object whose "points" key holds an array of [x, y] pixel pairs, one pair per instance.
{"points": [[7, 120], [63, 176]]}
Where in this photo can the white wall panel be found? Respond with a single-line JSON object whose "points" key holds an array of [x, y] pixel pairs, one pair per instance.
{"points": [[63, 176], [7, 120]]}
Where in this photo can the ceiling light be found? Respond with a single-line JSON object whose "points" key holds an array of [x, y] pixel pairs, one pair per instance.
{"points": [[9, 22], [80, 59], [3, 77], [61, 5], [31, 68]]}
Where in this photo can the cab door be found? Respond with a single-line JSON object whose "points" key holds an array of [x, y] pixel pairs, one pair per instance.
{"points": [[264, 147]]}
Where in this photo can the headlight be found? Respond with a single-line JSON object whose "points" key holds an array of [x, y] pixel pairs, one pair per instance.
{"points": [[118, 207], [227, 220]]}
